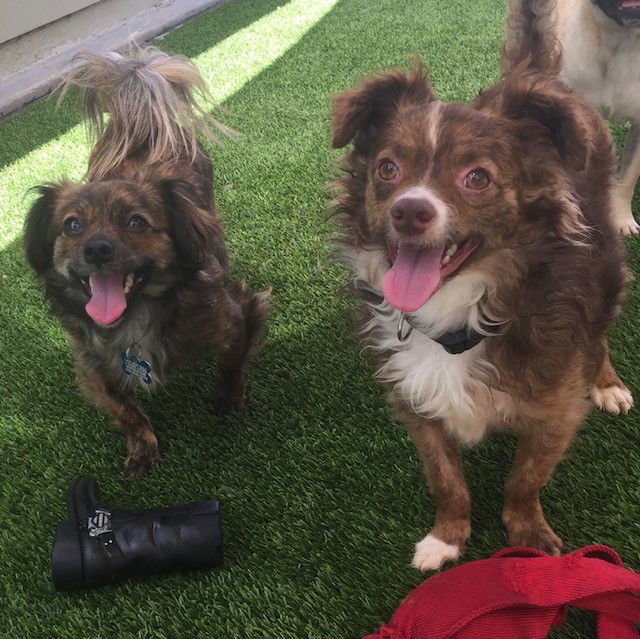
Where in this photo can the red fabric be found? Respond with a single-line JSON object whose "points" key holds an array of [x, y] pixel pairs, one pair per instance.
{"points": [[520, 592]]}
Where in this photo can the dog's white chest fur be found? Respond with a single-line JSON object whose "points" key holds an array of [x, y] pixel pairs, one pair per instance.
{"points": [[603, 64], [433, 382], [437, 384]]}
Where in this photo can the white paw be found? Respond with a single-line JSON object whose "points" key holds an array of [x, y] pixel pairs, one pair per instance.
{"points": [[623, 217], [629, 227], [431, 553], [613, 399]]}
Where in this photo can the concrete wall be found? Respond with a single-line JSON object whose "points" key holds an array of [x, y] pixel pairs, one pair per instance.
{"points": [[31, 63], [94, 19], [19, 17]]}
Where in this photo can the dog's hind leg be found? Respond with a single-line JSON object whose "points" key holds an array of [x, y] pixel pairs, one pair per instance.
{"points": [[608, 392], [443, 468], [142, 444], [231, 391], [623, 190], [238, 343]]}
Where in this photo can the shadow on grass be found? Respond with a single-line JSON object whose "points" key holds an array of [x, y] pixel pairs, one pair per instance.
{"points": [[218, 24]]}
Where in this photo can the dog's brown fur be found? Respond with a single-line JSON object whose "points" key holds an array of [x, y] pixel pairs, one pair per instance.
{"points": [[185, 304], [551, 259]]}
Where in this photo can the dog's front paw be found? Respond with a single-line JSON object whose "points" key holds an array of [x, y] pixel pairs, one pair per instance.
{"points": [[537, 535], [613, 399], [143, 455], [137, 466], [432, 552]]}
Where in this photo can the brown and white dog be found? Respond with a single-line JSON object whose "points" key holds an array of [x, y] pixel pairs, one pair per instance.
{"points": [[481, 243], [133, 259], [596, 46]]}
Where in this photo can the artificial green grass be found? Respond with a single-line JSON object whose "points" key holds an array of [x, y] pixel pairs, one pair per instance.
{"points": [[323, 496]]}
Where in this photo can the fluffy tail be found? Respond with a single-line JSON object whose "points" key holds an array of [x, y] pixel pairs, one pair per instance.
{"points": [[530, 38], [255, 311], [151, 98]]}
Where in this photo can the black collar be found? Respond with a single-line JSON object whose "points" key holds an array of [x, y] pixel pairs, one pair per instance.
{"points": [[457, 342], [454, 342]]}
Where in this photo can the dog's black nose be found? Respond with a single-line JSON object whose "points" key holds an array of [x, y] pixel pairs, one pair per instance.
{"points": [[98, 250]]}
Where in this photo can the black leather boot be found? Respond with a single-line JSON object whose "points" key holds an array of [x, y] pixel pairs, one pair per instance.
{"points": [[101, 545]]}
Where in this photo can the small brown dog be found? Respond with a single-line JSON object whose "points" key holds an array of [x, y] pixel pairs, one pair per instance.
{"points": [[133, 260], [482, 245]]}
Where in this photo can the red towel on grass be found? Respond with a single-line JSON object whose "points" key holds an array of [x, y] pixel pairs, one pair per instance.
{"points": [[519, 593]]}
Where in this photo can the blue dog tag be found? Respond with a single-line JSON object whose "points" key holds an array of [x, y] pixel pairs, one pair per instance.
{"points": [[133, 365]]}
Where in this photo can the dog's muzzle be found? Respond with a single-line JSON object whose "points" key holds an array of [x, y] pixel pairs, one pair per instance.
{"points": [[623, 16]]}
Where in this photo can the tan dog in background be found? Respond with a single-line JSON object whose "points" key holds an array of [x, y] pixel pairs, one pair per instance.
{"points": [[595, 46]]}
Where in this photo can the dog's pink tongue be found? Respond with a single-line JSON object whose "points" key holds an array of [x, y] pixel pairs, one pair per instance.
{"points": [[108, 300], [413, 278]]}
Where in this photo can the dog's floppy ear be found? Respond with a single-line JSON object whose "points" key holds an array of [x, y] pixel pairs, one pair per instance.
{"points": [[195, 231], [38, 234], [563, 115], [359, 114]]}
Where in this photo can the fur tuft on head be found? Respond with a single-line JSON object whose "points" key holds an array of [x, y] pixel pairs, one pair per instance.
{"points": [[151, 99]]}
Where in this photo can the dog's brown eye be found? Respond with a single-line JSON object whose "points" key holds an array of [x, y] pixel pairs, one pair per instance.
{"points": [[388, 170], [72, 226], [477, 180], [137, 223]]}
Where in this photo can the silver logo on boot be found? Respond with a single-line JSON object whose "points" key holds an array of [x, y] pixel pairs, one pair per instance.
{"points": [[99, 523]]}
